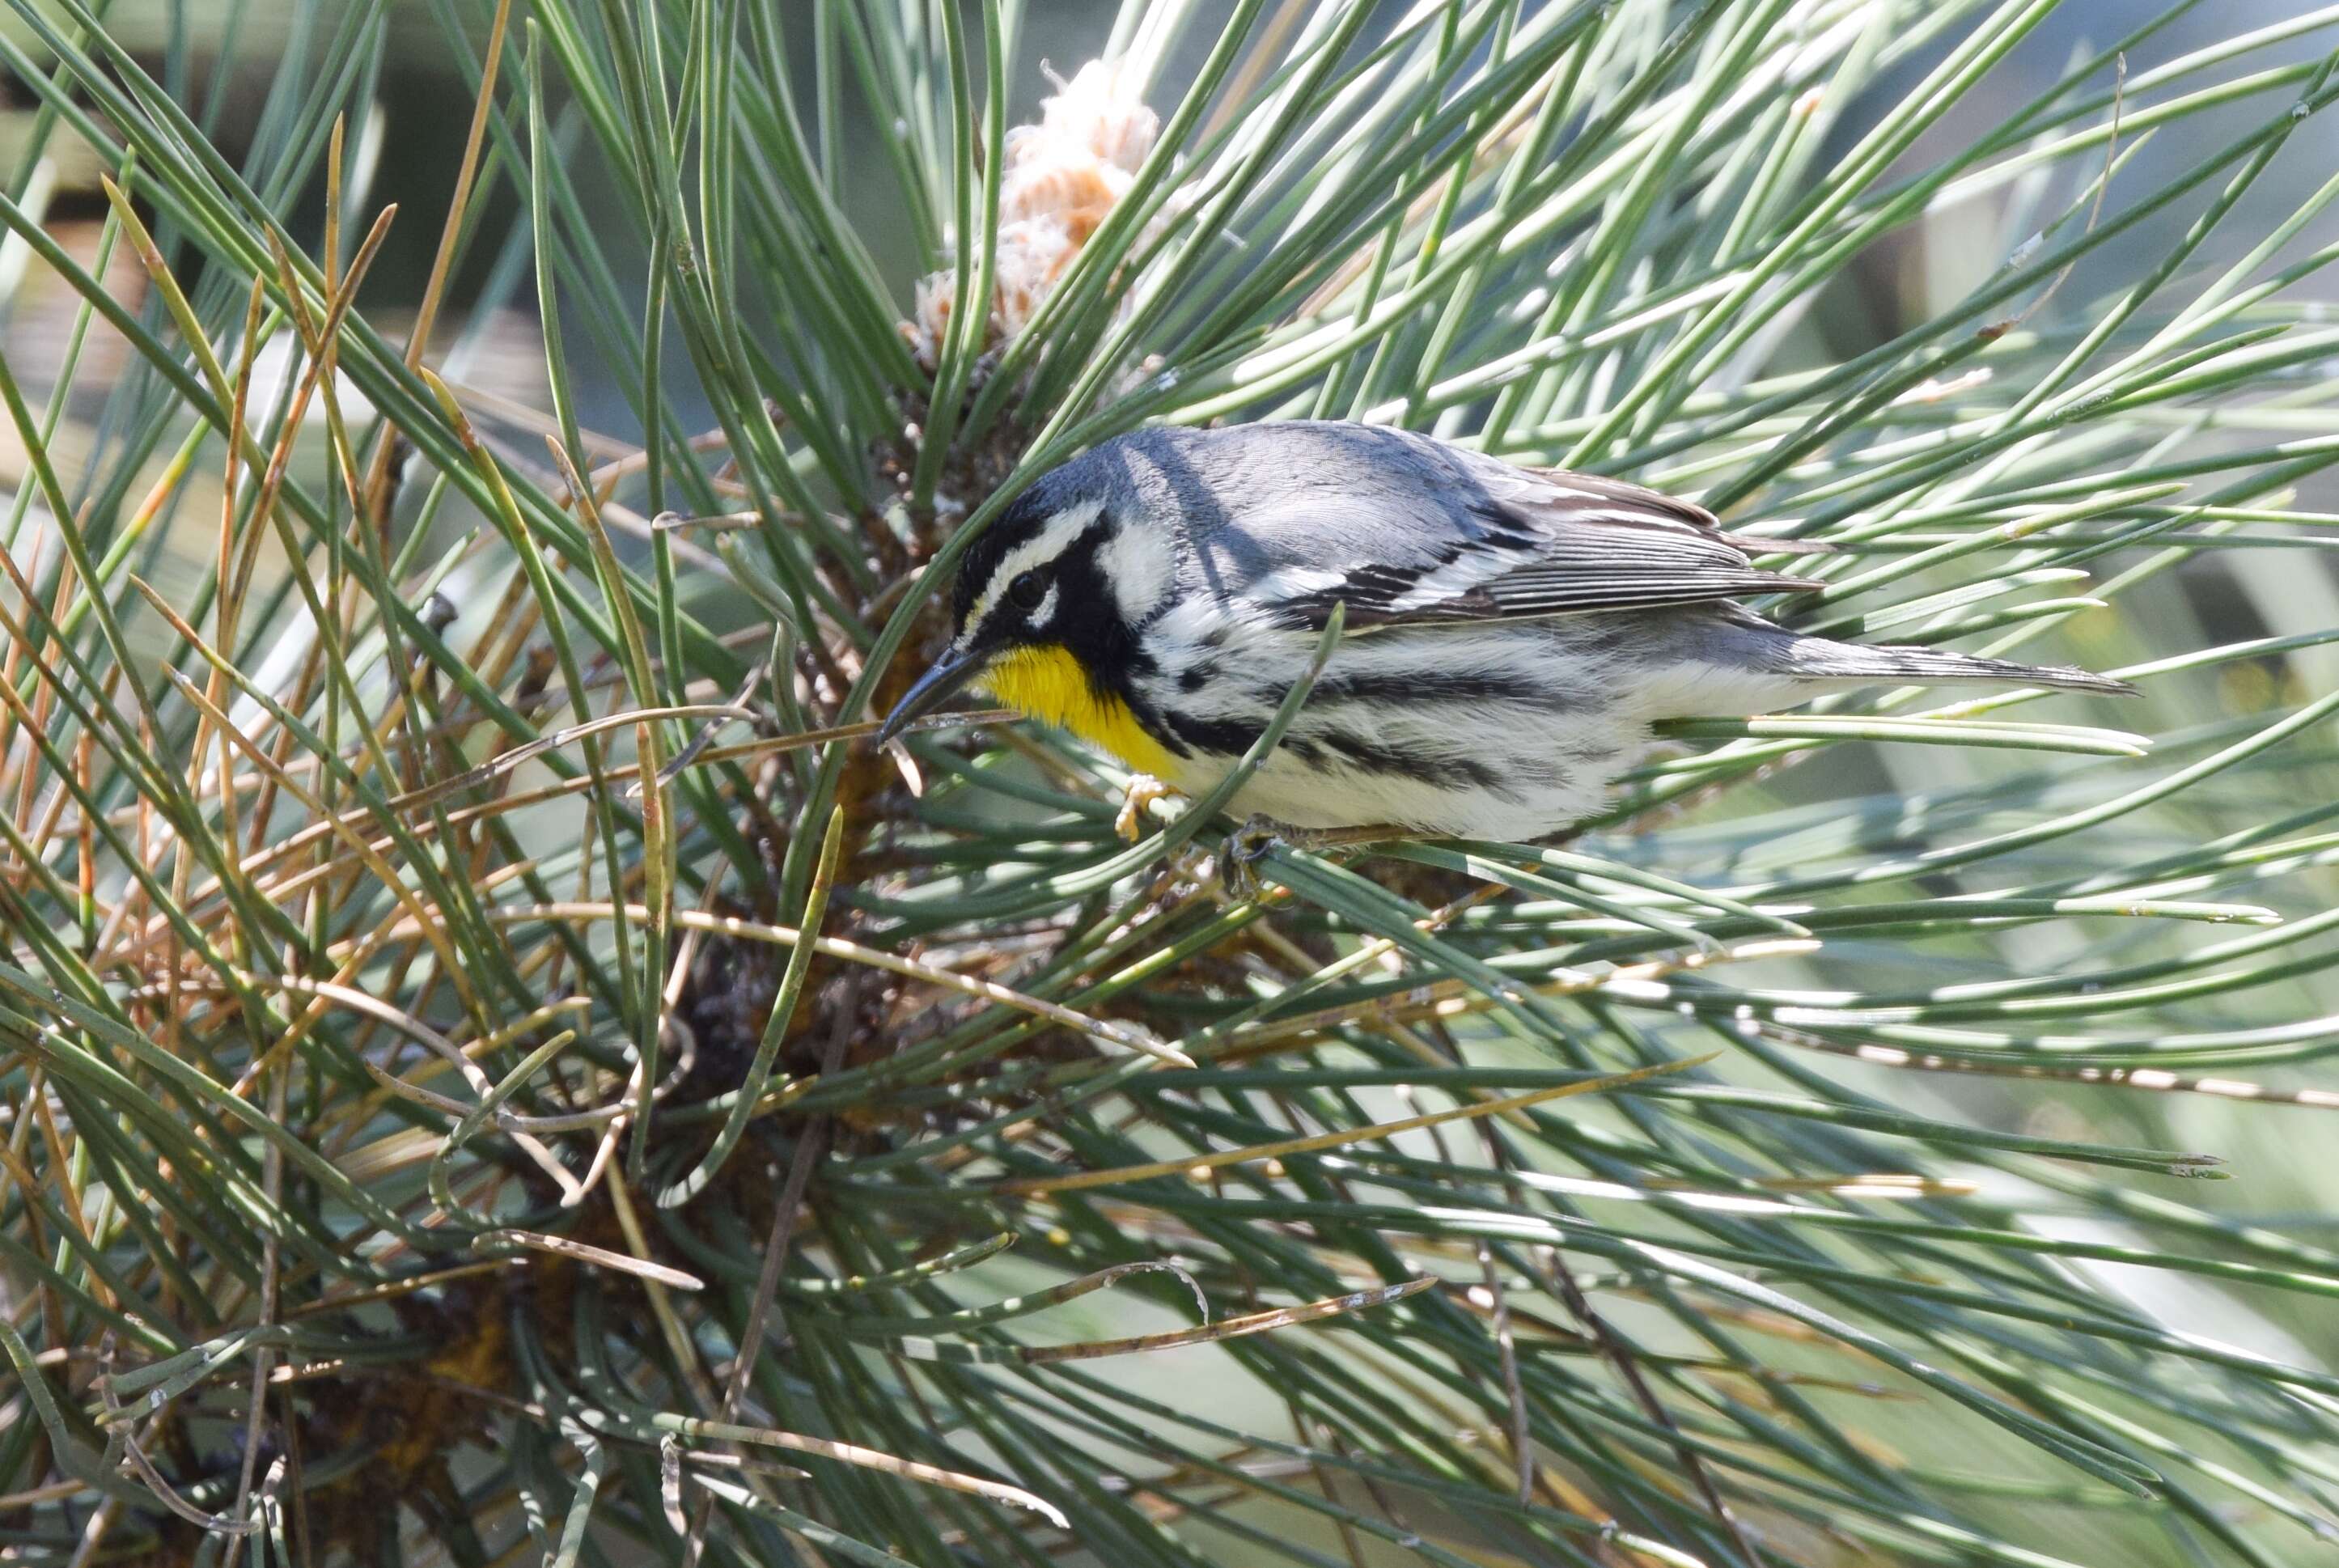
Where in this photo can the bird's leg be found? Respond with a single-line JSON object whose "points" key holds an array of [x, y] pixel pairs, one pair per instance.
{"points": [[1143, 791], [1248, 843]]}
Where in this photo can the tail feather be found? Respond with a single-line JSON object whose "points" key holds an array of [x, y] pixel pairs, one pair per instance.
{"points": [[1756, 544], [1817, 658]]}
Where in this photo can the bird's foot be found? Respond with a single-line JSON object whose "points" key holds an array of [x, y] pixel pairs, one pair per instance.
{"points": [[1250, 844], [1246, 847], [1143, 791]]}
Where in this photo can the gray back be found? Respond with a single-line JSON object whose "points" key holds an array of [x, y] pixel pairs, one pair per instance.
{"points": [[1294, 494]]}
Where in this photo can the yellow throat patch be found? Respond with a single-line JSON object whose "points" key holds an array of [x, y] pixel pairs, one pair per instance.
{"points": [[1049, 684]]}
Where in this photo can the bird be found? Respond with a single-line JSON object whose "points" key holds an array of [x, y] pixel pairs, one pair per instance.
{"points": [[1510, 634]]}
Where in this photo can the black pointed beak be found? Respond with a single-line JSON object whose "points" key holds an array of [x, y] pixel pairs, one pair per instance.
{"points": [[944, 681]]}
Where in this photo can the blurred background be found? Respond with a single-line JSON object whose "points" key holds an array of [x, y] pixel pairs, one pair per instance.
{"points": [[413, 144], [406, 151]]}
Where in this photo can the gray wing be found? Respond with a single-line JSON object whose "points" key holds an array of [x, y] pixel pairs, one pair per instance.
{"points": [[1503, 542]]}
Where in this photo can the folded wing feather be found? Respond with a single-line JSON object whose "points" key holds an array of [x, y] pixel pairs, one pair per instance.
{"points": [[1547, 542]]}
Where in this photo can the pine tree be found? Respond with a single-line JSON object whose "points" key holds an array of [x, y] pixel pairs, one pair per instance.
{"points": [[493, 1065]]}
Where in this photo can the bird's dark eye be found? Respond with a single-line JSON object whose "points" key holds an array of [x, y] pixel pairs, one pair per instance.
{"points": [[1026, 590]]}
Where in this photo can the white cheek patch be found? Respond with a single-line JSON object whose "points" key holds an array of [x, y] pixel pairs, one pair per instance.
{"points": [[1045, 546], [1142, 568]]}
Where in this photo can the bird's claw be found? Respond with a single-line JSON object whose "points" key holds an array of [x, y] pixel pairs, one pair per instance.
{"points": [[1246, 847], [1251, 842], [1143, 791]]}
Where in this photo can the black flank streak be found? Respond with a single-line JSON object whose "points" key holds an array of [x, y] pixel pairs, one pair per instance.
{"points": [[1227, 737], [1417, 684], [1455, 773]]}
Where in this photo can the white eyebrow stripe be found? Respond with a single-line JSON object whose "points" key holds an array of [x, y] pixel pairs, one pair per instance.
{"points": [[1051, 541]]}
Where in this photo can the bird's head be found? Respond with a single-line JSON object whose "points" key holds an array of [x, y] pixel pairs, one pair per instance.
{"points": [[1058, 583]]}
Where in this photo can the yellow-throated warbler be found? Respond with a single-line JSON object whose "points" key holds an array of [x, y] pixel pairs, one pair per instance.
{"points": [[1512, 632]]}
